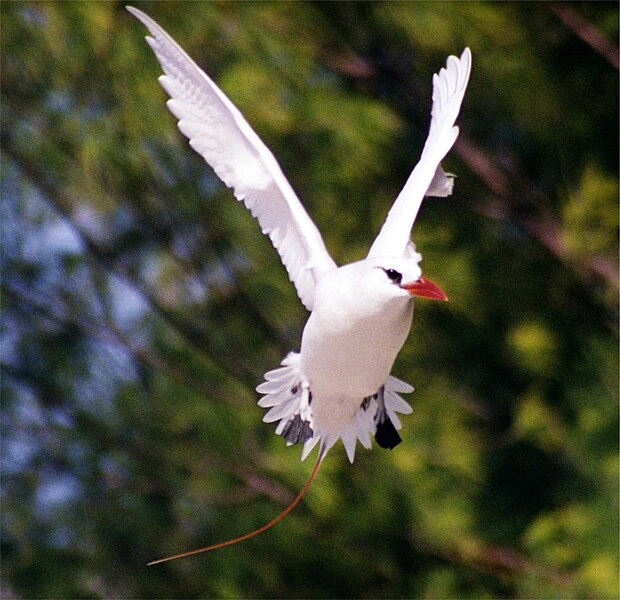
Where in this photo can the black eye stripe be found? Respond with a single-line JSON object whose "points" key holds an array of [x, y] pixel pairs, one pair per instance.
{"points": [[393, 275]]}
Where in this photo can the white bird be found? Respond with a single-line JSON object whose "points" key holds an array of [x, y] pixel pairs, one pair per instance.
{"points": [[338, 386]]}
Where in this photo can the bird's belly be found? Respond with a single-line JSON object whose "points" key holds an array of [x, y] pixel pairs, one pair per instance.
{"points": [[352, 360], [342, 369]]}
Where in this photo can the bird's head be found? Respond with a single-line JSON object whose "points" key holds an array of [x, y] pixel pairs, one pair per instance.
{"points": [[403, 277]]}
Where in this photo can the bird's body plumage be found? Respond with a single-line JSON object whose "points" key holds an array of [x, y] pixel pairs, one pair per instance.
{"points": [[339, 385], [359, 323]]}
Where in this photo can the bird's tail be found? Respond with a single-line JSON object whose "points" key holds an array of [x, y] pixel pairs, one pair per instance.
{"points": [[251, 534]]}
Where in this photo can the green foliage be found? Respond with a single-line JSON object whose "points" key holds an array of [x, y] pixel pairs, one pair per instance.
{"points": [[590, 216], [141, 305]]}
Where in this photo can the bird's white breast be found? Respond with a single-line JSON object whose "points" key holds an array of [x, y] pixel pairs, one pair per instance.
{"points": [[353, 335]]}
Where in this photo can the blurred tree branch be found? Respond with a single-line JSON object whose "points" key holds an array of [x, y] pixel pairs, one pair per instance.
{"points": [[586, 32], [108, 333], [515, 197], [497, 561], [57, 200]]}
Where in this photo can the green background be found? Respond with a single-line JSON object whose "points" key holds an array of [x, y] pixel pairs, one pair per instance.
{"points": [[141, 305]]}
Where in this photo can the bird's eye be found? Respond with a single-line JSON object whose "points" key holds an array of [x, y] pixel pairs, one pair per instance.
{"points": [[394, 275]]}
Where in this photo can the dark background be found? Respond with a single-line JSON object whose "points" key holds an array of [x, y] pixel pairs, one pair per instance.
{"points": [[141, 305]]}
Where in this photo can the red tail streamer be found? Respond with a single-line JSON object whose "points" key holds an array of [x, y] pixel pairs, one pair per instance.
{"points": [[251, 534]]}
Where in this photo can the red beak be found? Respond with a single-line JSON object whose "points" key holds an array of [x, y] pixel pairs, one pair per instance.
{"points": [[423, 288]]}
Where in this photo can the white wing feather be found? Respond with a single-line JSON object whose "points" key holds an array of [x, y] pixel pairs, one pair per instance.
{"points": [[221, 135], [427, 178]]}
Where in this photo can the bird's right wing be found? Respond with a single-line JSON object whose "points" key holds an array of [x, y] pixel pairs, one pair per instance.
{"points": [[428, 178], [221, 135]]}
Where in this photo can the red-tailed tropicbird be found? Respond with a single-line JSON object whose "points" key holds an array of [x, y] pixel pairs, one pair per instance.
{"points": [[338, 386]]}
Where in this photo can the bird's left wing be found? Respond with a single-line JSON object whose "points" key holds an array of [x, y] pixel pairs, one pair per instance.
{"points": [[428, 178], [221, 135]]}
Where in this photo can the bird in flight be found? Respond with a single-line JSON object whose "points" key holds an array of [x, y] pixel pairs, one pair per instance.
{"points": [[338, 386]]}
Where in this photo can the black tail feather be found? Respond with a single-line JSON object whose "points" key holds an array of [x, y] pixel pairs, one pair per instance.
{"points": [[386, 434]]}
